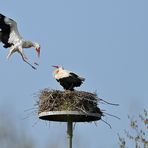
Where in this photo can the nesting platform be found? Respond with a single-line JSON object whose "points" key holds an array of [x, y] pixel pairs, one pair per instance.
{"points": [[65, 116], [64, 106]]}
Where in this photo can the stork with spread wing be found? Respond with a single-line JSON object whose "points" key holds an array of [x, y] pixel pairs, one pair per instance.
{"points": [[10, 37]]}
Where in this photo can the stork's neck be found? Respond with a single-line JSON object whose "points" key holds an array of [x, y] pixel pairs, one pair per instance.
{"points": [[28, 44]]}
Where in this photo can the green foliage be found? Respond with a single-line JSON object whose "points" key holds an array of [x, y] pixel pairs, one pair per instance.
{"points": [[138, 132]]}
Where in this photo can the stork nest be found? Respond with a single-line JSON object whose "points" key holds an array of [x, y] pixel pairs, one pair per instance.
{"points": [[56, 100]]}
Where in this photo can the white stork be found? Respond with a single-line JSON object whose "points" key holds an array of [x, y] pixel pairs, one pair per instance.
{"points": [[67, 79], [11, 39]]}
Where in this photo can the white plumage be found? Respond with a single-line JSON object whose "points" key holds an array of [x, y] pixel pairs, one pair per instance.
{"points": [[10, 37], [66, 78]]}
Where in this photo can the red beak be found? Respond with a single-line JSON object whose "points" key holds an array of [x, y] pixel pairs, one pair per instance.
{"points": [[55, 66], [38, 51]]}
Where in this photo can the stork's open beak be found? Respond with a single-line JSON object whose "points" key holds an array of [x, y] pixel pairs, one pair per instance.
{"points": [[55, 66], [38, 51]]}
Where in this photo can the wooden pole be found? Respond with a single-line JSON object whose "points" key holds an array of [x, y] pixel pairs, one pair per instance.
{"points": [[69, 133]]}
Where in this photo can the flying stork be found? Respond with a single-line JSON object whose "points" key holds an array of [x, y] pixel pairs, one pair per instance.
{"points": [[10, 37], [67, 79]]}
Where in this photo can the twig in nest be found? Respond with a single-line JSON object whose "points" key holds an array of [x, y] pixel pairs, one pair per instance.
{"points": [[106, 123], [108, 102], [111, 115]]}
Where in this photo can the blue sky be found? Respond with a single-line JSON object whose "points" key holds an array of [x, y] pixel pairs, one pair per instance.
{"points": [[104, 41]]}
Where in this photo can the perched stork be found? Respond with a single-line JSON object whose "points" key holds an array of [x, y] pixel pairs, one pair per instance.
{"points": [[11, 39], [67, 79]]}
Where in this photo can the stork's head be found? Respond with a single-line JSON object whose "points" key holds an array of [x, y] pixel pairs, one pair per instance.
{"points": [[55, 72], [37, 48], [58, 68]]}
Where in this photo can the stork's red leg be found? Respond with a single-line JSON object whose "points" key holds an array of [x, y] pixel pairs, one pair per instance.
{"points": [[27, 61]]}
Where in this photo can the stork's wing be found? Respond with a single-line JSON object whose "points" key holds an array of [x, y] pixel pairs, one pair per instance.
{"points": [[3, 26], [14, 34], [76, 76], [73, 74]]}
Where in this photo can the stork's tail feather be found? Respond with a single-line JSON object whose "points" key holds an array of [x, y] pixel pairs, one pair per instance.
{"points": [[82, 79]]}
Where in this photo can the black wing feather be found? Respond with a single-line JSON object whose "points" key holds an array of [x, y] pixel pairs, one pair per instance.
{"points": [[70, 82], [5, 32], [73, 74]]}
